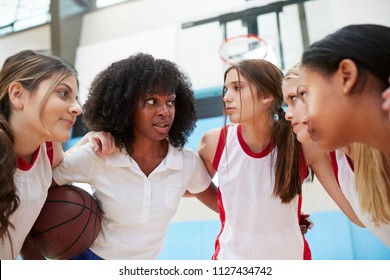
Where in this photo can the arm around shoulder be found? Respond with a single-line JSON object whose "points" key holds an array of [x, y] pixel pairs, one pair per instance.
{"points": [[209, 197], [319, 161]]}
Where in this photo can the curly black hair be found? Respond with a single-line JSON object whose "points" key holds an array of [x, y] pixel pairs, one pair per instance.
{"points": [[116, 91]]}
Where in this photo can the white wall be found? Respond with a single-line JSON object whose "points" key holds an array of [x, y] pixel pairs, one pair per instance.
{"points": [[35, 38]]}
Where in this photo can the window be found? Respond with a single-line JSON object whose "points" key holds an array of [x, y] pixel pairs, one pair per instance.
{"points": [[23, 14]]}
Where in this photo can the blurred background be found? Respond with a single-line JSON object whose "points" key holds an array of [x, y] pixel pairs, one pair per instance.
{"points": [[91, 34]]}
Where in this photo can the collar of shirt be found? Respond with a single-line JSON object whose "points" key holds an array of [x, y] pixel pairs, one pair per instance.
{"points": [[173, 159]]}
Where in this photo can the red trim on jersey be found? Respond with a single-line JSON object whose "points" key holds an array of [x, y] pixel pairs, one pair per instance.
{"points": [[247, 150], [332, 155], [49, 152], [350, 163], [303, 173], [25, 166], [223, 219], [217, 158], [303, 169], [336, 167], [306, 249], [220, 147]]}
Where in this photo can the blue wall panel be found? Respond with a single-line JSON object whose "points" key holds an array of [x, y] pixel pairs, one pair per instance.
{"points": [[333, 237]]}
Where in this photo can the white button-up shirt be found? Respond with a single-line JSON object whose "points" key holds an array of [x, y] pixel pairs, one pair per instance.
{"points": [[137, 209]]}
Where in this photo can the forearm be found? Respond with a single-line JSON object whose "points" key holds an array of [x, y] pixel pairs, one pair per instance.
{"points": [[328, 181], [209, 197]]}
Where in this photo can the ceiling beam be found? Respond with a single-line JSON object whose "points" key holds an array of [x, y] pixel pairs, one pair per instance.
{"points": [[66, 23]]}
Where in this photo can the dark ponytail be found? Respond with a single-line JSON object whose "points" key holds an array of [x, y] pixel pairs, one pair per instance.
{"points": [[287, 178]]}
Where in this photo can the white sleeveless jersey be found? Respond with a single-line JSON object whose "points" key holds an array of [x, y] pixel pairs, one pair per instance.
{"points": [[346, 178], [32, 183], [255, 224]]}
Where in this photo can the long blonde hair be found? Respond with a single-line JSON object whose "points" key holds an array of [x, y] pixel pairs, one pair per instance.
{"points": [[372, 181]]}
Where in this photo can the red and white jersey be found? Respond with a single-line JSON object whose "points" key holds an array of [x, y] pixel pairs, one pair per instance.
{"points": [[345, 176], [255, 223], [32, 183]]}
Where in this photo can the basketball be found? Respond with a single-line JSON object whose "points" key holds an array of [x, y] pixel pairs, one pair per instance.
{"points": [[68, 223]]}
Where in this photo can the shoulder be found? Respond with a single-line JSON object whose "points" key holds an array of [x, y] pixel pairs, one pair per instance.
{"points": [[84, 152], [186, 152], [209, 140], [211, 134]]}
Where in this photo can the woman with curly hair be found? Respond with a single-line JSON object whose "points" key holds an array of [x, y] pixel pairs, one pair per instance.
{"points": [[148, 106], [38, 107]]}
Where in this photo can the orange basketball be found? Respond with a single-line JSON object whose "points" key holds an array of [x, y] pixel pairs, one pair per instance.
{"points": [[68, 224]]}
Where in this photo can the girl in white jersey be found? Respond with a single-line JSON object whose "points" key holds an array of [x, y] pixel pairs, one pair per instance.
{"points": [[342, 81], [316, 158], [148, 106], [260, 168], [342, 162], [37, 106]]}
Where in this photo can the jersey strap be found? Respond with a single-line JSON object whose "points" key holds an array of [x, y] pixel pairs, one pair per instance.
{"points": [[332, 155], [220, 146], [49, 152], [303, 168]]}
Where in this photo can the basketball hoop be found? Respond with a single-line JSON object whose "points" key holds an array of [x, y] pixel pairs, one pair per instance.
{"points": [[241, 47]]}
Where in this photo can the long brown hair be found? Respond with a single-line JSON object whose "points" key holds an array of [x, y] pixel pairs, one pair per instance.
{"points": [[29, 68], [9, 201], [267, 79]]}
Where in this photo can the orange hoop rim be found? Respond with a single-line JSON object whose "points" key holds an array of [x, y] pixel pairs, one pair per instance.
{"points": [[236, 37]]}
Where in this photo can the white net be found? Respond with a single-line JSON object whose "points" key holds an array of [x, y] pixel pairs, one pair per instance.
{"points": [[241, 47]]}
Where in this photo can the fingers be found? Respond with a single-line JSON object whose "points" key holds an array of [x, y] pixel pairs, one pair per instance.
{"points": [[304, 216], [304, 229], [103, 143], [305, 221], [310, 223], [95, 142]]}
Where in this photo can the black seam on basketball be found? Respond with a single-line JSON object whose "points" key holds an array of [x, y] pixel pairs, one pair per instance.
{"points": [[82, 231], [63, 223], [84, 207]]}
